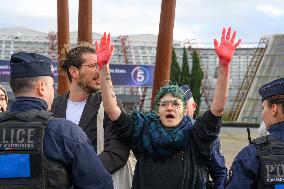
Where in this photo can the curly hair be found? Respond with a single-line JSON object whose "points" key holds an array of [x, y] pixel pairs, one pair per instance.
{"points": [[172, 89], [73, 56]]}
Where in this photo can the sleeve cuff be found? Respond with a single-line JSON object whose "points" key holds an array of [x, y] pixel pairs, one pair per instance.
{"points": [[122, 119], [214, 119]]}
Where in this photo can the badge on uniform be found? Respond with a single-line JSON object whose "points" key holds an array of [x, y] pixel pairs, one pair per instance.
{"points": [[20, 150]]}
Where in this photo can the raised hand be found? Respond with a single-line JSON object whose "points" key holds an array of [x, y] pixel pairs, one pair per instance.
{"points": [[104, 50], [226, 48]]}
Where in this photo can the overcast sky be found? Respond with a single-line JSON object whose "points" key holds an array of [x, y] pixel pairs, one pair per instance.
{"points": [[195, 19]]}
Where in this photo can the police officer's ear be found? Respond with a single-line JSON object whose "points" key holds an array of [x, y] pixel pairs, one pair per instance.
{"points": [[41, 87], [276, 110], [194, 106], [74, 72]]}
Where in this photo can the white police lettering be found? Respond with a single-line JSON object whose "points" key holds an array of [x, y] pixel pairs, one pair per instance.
{"points": [[17, 137], [275, 180], [30, 135], [274, 173]]}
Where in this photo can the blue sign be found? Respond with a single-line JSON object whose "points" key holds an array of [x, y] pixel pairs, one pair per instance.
{"points": [[121, 74], [132, 75]]}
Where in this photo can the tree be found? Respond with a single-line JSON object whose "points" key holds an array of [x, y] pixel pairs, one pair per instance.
{"points": [[185, 75], [196, 79], [175, 69]]}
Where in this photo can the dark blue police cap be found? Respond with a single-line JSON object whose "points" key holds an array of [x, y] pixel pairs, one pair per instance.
{"points": [[274, 88], [24, 64], [187, 92]]}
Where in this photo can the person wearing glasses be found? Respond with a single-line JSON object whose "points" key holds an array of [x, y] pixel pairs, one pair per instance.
{"points": [[81, 105], [169, 149], [3, 99]]}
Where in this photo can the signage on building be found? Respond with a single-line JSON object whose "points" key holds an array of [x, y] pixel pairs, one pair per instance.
{"points": [[129, 75]]}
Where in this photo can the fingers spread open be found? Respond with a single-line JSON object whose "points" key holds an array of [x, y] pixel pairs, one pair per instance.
{"points": [[228, 34], [223, 34], [108, 39], [233, 37], [101, 41], [237, 44], [215, 43]]}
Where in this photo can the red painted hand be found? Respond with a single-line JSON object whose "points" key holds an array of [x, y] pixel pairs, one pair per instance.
{"points": [[104, 50], [227, 47]]}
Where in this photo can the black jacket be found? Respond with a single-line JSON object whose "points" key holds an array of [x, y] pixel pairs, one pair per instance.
{"points": [[116, 151], [183, 169]]}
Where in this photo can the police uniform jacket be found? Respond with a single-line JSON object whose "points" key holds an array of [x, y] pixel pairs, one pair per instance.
{"points": [[245, 169], [67, 143], [217, 168]]}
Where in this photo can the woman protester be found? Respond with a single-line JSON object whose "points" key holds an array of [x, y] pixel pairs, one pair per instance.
{"points": [[169, 150]]}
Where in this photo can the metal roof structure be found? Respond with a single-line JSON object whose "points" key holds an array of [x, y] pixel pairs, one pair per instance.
{"points": [[271, 67]]}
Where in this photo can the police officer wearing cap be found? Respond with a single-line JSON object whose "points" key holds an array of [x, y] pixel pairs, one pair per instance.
{"points": [[216, 167], [37, 150], [261, 164]]}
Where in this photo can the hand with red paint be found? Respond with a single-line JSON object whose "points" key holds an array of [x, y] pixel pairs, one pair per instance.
{"points": [[226, 48], [104, 50]]}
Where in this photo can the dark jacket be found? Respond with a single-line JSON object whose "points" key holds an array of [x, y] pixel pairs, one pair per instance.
{"points": [[179, 171], [216, 167], [116, 151], [245, 170], [65, 142]]}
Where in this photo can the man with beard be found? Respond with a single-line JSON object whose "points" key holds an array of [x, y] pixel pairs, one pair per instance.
{"points": [[82, 103]]}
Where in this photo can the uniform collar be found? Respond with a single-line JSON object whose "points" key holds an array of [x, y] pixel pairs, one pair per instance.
{"points": [[277, 131], [28, 103]]}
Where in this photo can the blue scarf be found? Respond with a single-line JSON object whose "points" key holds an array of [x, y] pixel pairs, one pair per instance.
{"points": [[151, 137]]}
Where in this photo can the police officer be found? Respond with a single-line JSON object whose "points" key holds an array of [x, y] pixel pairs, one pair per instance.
{"points": [[261, 164], [216, 167], [37, 150]]}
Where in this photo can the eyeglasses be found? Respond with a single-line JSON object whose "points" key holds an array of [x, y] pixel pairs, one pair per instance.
{"points": [[95, 66], [166, 103]]}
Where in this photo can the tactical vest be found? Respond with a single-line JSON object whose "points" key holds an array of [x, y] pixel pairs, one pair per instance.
{"points": [[271, 162], [22, 162]]}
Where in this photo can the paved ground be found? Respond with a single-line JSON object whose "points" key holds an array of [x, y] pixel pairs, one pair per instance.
{"points": [[233, 140]]}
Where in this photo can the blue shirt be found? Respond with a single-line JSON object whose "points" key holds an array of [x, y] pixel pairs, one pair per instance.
{"points": [[66, 142], [244, 170]]}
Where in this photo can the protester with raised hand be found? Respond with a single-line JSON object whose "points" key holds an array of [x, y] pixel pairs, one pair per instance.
{"points": [[169, 150]]}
